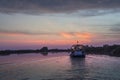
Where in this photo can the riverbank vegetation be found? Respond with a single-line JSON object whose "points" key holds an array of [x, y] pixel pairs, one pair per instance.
{"points": [[113, 50]]}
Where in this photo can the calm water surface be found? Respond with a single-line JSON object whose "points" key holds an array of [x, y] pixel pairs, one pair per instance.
{"points": [[59, 66]]}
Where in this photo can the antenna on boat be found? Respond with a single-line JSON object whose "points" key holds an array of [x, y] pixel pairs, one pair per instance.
{"points": [[77, 42]]}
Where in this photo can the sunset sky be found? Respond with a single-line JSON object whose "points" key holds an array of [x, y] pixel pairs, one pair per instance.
{"points": [[32, 24]]}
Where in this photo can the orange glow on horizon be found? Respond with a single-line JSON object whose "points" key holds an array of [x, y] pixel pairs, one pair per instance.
{"points": [[77, 35], [66, 35], [43, 42], [66, 39], [83, 37]]}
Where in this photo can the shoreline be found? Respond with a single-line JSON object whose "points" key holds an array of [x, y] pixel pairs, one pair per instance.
{"points": [[112, 50]]}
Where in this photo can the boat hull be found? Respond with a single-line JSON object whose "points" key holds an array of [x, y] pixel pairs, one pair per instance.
{"points": [[80, 56], [77, 54]]}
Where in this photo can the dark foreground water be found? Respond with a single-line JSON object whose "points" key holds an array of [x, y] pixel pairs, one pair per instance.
{"points": [[59, 66]]}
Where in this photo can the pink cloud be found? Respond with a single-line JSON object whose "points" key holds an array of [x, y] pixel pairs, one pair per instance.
{"points": [[77, 35]]}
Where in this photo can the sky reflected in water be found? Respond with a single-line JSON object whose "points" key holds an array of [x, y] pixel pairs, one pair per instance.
{"points": [[59, 66]]}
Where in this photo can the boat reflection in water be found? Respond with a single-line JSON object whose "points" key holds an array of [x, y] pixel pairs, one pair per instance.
{"points": [[78, 69], [44, 53], [77, 51]]}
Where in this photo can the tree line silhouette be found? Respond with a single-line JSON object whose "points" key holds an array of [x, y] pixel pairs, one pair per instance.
{"points": [[113, 50]]}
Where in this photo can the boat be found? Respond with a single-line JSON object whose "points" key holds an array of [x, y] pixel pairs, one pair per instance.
{"points": [[77, 51]]}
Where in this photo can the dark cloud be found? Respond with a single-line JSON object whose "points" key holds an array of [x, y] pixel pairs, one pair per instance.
{"points": [[24, 32], [115, 28], [54, 6], [95, 12]]}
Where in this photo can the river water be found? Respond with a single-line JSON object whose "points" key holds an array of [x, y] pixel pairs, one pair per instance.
{"points": [[59, 66]]}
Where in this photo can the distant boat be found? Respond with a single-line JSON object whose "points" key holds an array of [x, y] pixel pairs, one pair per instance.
{"points": [[77, 51]]}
